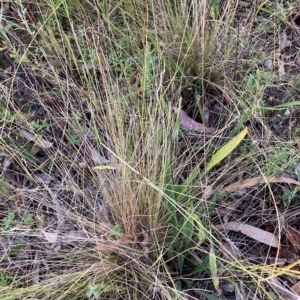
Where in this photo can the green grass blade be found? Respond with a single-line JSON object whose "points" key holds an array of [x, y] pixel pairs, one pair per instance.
{"points": [[208, 297], [281, 106]]}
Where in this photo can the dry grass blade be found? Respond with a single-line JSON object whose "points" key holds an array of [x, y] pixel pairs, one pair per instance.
{"points": [[283, 291]]}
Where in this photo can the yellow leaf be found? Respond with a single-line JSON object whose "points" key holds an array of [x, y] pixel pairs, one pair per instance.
{"points": [[214, 270], [104, 168], [201, 229], [226, 149]]}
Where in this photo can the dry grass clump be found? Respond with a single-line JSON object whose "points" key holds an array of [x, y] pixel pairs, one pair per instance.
{"points": [[107, 191]]}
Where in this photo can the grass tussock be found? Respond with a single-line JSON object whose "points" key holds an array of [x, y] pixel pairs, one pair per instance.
{"points": [[106, 192]]}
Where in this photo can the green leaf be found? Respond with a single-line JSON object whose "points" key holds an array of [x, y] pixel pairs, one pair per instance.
{"points": [[188, 228], [16, 249], [169, 191], [203, 266], [171, 253], [214, 9], [178, 285], [8, 220], [201, 229], [182, 189], [180, 260], [95, 290], [243, 118], [226, 149]]}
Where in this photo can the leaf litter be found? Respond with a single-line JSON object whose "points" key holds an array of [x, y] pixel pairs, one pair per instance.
{"points": [[31, 137], [188, 123], [255, 233], [248, 183]]}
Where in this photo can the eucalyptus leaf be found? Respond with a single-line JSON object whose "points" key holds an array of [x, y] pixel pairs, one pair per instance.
{"points": [[226, 149]]}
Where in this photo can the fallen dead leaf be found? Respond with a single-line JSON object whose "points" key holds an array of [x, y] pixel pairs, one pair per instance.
{"points": [[72, 236], [190, 124], [255, 233], [268, 64], [104, 168], [50, 236], [228, 287], [98, 158], [6, 163], [9, 69], [31, 137], [283, 41], [293, 237], [226, 94], [296, 288], [257, 180], [104, 248], [145, 243], [43, 178], [281, 67], [83, 164], [106, 245], [154, 288], [287, 255]]}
